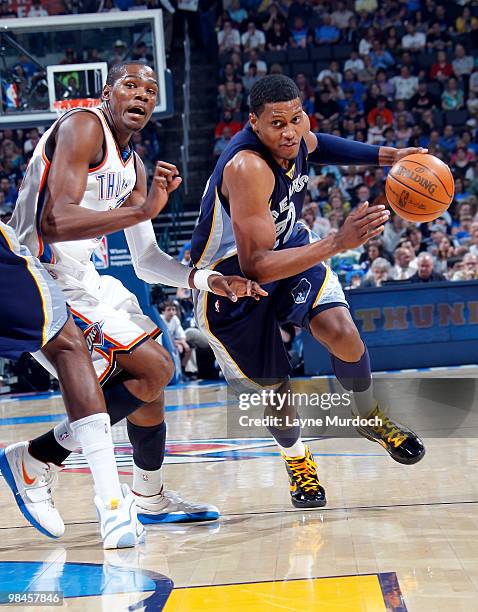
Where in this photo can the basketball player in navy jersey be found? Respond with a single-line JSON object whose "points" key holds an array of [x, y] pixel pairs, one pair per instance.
{"points": [[248, 224], [85, 180]]}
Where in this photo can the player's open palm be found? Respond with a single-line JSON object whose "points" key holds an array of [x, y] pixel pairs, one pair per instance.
{"points": [[361, 224], [166, 179]]}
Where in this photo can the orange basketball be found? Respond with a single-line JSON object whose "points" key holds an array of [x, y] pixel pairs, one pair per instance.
{"points": [[420, 187]]}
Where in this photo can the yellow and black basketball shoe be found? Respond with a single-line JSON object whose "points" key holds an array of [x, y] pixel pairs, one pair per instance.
{"points": [[305, 488], [401, 443]]}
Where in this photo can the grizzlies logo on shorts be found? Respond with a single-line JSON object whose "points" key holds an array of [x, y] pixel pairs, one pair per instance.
{"points": [[300, 292]]}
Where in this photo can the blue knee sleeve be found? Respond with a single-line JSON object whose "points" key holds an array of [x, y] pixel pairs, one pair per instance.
{"points": [[353, 376], [149, 445]]}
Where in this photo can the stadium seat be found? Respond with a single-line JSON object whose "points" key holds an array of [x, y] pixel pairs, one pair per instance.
{"points": [[321, 66], [321, 53], [306, 67], [342, 52], [276, 57], [297, 55], [456, 118], [426, 60], [434, 89]]}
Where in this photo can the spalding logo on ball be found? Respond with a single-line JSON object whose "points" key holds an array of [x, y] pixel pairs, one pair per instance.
{"points": [[420, 187]]}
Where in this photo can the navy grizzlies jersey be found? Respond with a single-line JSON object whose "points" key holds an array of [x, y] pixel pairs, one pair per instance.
{"points": [[213, 238]]}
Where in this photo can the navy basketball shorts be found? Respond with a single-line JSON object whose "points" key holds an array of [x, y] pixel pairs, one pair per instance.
{"points": [[32, 308], [245, 336]]}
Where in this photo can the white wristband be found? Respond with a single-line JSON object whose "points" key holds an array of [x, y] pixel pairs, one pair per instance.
{"points": [[201, 278]]}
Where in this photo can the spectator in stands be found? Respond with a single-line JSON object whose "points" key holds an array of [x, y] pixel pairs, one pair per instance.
{"points": [[351, 36], [250, 77], [378, 274], [327, 33], [253, 38], [438, 39], [474, 239], [403, 132], [406, 85], [231, 100], [394, 230], [299, 34], [375, 132], [382, 111], [462, 64], [222, 142], [366, 43], [445, 252], [423, 100], [9, 193], [302, 9], [227, 120], [350, 83], [273, 15], [340, 18], [470, 268], [228, 75], [381, 59], [425, 272], [325, 107], [333, 71], [277, 37], [392, 42], [355, 63], [253, 58], [452, 98], [237, 13], [37, 10], [368, 73], [69, 57], [414, 235], [404, 266], [449, 139], [228, 39], [413, 40], [441, 70], [176, 331], [386, 88], [466, 22]]}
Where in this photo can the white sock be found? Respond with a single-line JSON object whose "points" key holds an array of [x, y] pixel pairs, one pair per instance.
{"points": [[146, 482], [296, 450], [94, 435], [64, 436]]}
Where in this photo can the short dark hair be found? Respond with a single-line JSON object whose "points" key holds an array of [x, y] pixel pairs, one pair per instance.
{"points": [[166, 304], [116, 71], [272, 88]]}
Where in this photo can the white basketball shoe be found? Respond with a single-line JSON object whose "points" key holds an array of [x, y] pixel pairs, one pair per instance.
{"points": [[31, 482], [119, 526], [168, 507]]}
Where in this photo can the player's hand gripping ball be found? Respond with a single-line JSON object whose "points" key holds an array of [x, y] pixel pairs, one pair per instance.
{"points": [[420, 187]]}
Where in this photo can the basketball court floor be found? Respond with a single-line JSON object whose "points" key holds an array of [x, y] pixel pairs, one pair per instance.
{"points": [[392, 537]]}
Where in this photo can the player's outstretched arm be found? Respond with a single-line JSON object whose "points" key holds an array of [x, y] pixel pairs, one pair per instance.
{"points": [[248, 183], [79, 143], [328, 149], [153, 265]]}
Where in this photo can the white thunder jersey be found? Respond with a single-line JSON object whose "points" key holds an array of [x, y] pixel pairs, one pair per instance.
{"points": [[108, 186]]}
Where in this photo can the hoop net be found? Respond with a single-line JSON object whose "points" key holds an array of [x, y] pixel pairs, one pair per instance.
{"points": [[63, 106]]}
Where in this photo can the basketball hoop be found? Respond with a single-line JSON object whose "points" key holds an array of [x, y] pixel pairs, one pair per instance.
{"points": [[63, 106]]}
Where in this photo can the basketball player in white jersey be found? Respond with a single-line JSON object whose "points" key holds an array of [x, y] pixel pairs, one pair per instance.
{"points": [[85, 180], [34, 317]]}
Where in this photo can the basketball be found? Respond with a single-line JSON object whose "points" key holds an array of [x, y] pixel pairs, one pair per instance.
{"points": [[420, 187]]}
